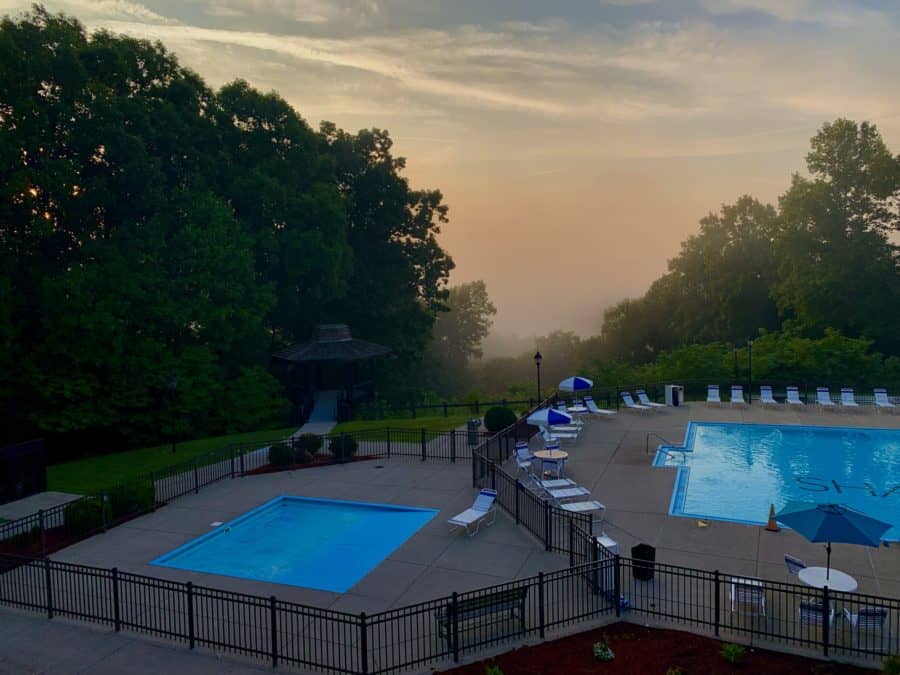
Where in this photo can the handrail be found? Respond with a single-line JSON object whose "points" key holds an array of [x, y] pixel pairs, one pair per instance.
{"points": [[656, 435]]}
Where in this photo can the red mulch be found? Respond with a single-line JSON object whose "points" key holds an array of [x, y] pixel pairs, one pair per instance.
{"points": [[319, 460], [647, 651]]}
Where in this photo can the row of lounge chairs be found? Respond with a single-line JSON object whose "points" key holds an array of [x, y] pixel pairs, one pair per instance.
{"points": [[792, 398]]}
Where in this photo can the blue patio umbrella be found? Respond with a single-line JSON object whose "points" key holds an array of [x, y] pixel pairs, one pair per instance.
{"points": [[832, 523], [548, 416], [576, 383]]}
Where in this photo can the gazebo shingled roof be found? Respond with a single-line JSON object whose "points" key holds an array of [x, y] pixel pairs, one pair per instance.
{"points": [[331, 342]]}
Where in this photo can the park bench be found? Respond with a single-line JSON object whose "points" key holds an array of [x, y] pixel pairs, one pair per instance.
{"points": [[511, 600]]}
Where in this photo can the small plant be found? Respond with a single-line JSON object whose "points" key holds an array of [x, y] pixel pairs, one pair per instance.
{"points": [[497, 419], [303, 456], [732, 653], [492, 669], [674, 670], [343, 447], [280, 455], [131, 498], [312, 443], [84, 516], [602, 652], [891, 665]]}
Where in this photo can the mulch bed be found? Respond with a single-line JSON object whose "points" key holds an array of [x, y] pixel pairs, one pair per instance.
{"points": [[319, 460], [647, 651]]}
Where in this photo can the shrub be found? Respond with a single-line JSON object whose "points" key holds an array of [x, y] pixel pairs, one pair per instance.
{"points": [[303, 456], [343, 447], [309, 442], [131, 498], [280, 455], [84, 516], [732, 653], [497, 419], [891, 665], [602, 652], [674, 670], [492, 669]]}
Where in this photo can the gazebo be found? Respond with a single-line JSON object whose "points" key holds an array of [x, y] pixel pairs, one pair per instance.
{"points": [[331, 361]]}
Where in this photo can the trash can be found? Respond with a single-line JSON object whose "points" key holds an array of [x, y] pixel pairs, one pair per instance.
{"points": [[472, 427], [644, 557], [675, 398]]}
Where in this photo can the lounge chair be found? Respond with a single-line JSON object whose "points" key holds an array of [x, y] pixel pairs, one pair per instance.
{"points": [[555, 484], [765, 395], [482, 510], [712, 395], [583, 507], [594, 410], [524, 458], [748, 593], [848, 401], [793, 397], [559, 494], [882, 402], [865, 622], [823, 399], [555, 437], [631, 405], [645, 400], [737, 395], [793, 566]]}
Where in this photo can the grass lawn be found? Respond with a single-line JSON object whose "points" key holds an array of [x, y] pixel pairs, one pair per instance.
{"points": [[94, 474], [437, 423]]}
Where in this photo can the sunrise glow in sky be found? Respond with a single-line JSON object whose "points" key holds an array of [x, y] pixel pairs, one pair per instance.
{"points": [[576, 142]]}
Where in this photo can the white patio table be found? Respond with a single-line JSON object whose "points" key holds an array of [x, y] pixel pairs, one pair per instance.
{"points": [[836, 581]]}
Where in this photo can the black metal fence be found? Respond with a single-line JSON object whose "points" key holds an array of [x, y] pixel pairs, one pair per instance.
{"points": [[444, 408]]}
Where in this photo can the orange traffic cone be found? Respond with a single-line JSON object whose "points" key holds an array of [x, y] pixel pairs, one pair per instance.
{"points": [[772, 526]]}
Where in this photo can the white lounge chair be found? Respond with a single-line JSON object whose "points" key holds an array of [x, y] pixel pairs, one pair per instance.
{"points": [[524, 458], [712, 395], [594, 410], [882, 402], [765, 395], [792, 396], [631, 405], [560, 494], [555, 484], [645, 400], [848, 400], [748, 593], [823, 399], [550, 437], [482, 510], [583, 507], [737, 395]]}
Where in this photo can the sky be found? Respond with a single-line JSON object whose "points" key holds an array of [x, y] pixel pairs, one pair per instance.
{"points": [[576, 142]]}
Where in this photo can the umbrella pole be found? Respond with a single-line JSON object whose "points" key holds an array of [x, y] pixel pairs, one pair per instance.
{"points": [[828, 561]]}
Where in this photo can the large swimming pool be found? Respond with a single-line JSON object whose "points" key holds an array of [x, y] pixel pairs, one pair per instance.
{"points": [[317, 543], [734, 471]]}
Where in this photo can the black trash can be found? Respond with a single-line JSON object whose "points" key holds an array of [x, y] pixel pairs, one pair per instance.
{"points": [[644, 557], [675, 398]]}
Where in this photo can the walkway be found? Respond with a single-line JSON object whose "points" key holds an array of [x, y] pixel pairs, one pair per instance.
{"points": [[323, 416]]}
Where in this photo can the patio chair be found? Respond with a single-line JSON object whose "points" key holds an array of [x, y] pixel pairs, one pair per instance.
{"points": [[865, 623], [793, 566], [524, 458], [765, 395], [645, 400], [737, 395], [712, 395], [482, 510], [749, 593], [631, 405], [594, 410], [823, 399], [882, 402], [848, 400], [812, 613], [553, 467], [793, 397]]}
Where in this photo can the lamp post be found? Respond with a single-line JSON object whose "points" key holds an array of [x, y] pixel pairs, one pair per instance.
{"points": [[750, 372], [735, 350], [173, 390], [537, 364]]}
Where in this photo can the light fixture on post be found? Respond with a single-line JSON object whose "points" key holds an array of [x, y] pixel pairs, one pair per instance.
{"points": [[750, 372], [173, 390], [537, 363]]}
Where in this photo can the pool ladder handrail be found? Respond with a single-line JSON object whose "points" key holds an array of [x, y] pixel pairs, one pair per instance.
{"points": [[665, 441]]}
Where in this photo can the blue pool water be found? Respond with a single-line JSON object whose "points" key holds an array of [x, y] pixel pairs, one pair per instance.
{"points": [[317, 543], [734, 471]]}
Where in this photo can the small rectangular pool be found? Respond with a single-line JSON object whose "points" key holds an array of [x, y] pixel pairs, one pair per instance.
{"points": [[325, 544], [734, 472]]}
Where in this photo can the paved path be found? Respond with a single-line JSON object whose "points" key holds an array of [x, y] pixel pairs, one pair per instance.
{"points": [[323, 416], [22, 508]]}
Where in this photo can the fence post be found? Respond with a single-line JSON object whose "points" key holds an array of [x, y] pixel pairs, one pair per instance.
{"points": [[413, 409], [547, 538], [477, 408], [241, 456], [518, 490], [196, 478], [232, 461], [273, 617], [718, 600], [617, 584], [104, 498], [49, 585], [541, 603], [153, 485], [117, 616], [826, 609], [571, 544], [453, 447], [445, 408], [363, 645], [388, 430], [42, 525], [595, 573], [454, 623], [190, 613]]}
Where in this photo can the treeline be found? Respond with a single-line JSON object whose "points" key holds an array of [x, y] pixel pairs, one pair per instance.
{"points": [[158, 240]]}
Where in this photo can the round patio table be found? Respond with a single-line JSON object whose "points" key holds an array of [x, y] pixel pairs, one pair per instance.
{"points": [[551, 454], [837, 580]]}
